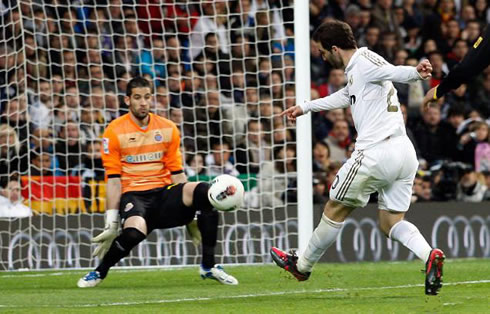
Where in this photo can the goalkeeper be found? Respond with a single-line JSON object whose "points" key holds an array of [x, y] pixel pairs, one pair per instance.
{"points": [[147, 187]]}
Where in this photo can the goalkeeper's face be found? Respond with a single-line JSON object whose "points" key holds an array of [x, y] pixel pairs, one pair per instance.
{"points": [[140, 102]]}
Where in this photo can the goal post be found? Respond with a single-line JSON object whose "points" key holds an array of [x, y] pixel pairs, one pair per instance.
{"points": [[303, 124]]}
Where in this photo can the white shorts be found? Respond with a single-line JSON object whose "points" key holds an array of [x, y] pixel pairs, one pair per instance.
{"points": [[388, 168]]}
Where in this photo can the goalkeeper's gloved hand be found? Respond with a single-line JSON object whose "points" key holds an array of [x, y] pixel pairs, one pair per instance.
{"points": [[111, 231], [194, 232]]}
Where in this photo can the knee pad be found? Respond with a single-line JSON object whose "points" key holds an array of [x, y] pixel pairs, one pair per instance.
{"points": [[200, 200]]}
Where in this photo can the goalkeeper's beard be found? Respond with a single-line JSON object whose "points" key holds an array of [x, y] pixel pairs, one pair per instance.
{"points": [[141, 114]]}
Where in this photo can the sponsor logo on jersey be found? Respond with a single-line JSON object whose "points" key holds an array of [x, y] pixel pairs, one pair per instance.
{"points": [[105, 145], [140, 158], [158, 137]]}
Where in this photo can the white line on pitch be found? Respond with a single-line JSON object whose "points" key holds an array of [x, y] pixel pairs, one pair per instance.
{"points": [[243, 296]]}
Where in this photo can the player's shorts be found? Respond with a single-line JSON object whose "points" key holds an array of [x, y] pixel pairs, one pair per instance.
{"points": [[388, 168], [162, 208]]}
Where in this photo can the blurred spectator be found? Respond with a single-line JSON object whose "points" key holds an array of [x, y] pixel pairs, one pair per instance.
{"points": [[241, 21], [213, 20], [13, 156], [433, 136], [254, 151], [220, 61], [320, 188], [195, 165], [318, 12], [468, 142], [323, 122], [471, 32], [423, 189], [482, 99], [153, 60], [11, 205], [41, 110], [124, 57], [176, 116], [338, 140], [41, 162], [15, 114], [181, 16], [111, 108], [91, 166], [321, 157], [371, 38], [388, 46], [277, 175], [383, 17], [69, 147], [218, 162], [471, 187]]}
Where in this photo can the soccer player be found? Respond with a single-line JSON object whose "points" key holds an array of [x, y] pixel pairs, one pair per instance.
{"points": [[147, 187], [384, 159], [476, 60]]}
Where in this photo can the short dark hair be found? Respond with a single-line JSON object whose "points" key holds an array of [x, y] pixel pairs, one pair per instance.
{"points": [[335, 33], [135, 83], [5, 180]]}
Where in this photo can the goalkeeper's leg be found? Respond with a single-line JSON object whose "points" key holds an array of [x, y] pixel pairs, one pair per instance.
{"points": [[207, 221], [120, 248]]}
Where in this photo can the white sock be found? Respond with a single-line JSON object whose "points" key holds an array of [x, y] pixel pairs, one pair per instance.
{"points": [[407, 234], [324, 235]]}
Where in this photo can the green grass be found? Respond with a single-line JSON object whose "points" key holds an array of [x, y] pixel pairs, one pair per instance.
{"points": [[336, 288]]}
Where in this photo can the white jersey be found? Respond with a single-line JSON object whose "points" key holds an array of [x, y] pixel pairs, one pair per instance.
{"points": [[372, 97]]}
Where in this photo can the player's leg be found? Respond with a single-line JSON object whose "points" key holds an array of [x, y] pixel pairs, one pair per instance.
{"points": [[394, 201], [347, 192], [178, 206], [134, 231], [393, 225], [195, 195]]}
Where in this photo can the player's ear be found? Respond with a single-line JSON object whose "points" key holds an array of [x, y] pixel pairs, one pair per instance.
{"points": [[126, 100], [334, 49]]}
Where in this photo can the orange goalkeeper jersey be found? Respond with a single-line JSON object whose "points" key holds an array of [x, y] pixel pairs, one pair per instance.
{"points": [[143, 158]]}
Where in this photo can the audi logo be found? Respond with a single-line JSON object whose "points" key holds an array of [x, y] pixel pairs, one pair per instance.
{"points": [[473, 231]]}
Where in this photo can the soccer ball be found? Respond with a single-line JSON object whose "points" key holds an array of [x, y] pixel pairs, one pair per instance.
{"points": [[226, 193]]}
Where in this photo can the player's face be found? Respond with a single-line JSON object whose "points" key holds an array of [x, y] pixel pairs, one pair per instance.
{"points": [[331, 57], [140, 102]]}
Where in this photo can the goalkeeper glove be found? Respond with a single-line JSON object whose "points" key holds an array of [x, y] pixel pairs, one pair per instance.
{"points": [[194, 232], [111, 231]]}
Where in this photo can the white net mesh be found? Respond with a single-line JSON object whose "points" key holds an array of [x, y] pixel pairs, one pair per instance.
{"points": [[222, 71]]}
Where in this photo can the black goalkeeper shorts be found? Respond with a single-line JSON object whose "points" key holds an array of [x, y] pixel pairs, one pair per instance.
{"points": [[162, 208]]}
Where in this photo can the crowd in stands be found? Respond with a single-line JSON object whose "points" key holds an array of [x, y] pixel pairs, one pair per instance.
{"points": [[223, 71]]}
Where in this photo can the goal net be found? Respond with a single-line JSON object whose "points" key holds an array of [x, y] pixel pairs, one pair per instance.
{"points": [[221, 70]]}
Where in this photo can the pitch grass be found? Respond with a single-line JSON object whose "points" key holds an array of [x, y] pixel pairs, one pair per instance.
{"points": [[336, 288]]}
